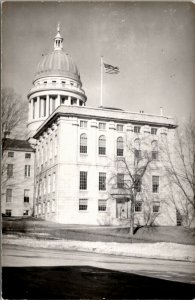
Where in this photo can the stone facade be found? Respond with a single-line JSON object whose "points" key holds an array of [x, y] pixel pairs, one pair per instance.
{"points": [[60, 159], [17, 178]]}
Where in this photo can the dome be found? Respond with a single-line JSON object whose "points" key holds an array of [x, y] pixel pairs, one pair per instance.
{"points": [[57, 63]]}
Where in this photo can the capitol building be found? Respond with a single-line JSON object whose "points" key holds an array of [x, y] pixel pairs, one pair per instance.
{"points": [[78, 178]]}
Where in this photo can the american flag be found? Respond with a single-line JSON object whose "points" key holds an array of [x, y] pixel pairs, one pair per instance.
{"points": [[111, 69]]}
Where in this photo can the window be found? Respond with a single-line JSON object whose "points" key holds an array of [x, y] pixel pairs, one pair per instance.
{"points": [[9, 195], [137, 129], [27, 171], [63, 99], [120, 181], [54, 182], [10, 154], [138, 184], [73, 101], [179, 218], [8, 212], [80, 102], [26, 196], [154, 155], [119, 146], [39, 209], [156, 207], [155, 184], [137, 154], [49, 183], [153, 130], [53, 205], [10, 168], [138, 206], [102, 205], [44, 185], [102, 145], [50, 149], [102, 181], [83, 203], [83, 180], [48, 207], [154, 150], [53, 82], [55, 145], [119, 127], [102, 126], [25, 212], [83, 143], [83, 124], [27, 155]]}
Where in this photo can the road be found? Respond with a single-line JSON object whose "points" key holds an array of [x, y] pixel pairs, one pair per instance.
{"points": [[17, 256]]}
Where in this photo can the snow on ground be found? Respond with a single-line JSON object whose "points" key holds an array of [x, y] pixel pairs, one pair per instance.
{"points": [[155, 250]]}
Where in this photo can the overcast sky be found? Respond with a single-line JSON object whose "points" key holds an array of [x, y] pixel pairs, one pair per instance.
{"points": [[152, 43]]}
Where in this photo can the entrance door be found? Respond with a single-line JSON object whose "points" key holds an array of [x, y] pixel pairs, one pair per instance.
{"points": [[121, 208]]}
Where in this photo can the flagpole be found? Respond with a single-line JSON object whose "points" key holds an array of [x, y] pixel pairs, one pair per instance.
{"points": [[101, 83]]}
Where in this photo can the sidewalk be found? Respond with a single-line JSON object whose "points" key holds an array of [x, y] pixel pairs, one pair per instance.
{"points": [[158, 250]]}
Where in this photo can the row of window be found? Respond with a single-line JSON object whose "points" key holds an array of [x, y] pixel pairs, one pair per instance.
{"points": [[11, 154], [119, 127], [54, 82], [46, 184], [119, 146], [48, 151], [102, 205], [120, 182], [9, 195], [10, 170], [8, 212], [47, 207]]}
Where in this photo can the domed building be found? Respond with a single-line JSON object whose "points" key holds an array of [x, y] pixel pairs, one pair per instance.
{"points": [[79, 176], [56, 82]]}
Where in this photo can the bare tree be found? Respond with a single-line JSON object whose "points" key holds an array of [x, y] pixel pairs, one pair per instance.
{"points": [[131, 178], [180, 170], [13, 110]]}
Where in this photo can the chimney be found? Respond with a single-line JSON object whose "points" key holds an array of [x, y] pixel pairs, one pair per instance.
{"points": [[161, 111]]}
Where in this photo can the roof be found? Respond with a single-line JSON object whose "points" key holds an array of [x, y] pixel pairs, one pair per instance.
{"points": [[57, 63], [17, 145], [119, 116]]}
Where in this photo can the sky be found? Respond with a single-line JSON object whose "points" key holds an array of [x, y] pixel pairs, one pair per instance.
{"points": [[152, 43]]}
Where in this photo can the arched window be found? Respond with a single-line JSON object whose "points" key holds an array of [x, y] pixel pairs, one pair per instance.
{"points": [[119, 146], [83, 143], [102, 145], [154, 145]]}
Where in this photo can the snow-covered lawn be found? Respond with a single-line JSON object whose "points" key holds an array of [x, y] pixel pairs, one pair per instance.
{"points": [[154, 250]]}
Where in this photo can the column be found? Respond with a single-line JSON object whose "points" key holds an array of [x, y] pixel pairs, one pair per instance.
{"points": [[50, 105], [69, 100], [29, 110], [47, 106], [57, 101], [38, 107]]}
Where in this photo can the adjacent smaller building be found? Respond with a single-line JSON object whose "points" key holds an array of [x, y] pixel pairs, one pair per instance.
{"points": [[17, 178]]}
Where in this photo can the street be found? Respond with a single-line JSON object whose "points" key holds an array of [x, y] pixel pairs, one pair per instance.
{"points": [[32, 273], [164, 269]]}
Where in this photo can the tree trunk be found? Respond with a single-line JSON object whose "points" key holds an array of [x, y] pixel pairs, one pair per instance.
{"points": [[131, 229]]}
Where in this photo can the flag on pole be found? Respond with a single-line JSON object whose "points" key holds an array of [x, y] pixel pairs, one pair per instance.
{"points": [[111, 69]]}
